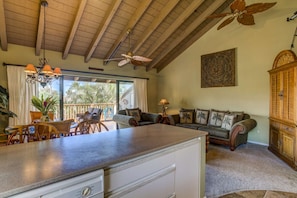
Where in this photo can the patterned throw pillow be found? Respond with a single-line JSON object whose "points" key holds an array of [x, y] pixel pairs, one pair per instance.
{"points": [[186, 116], [228, 121], [135, 113], [201, 116], [216, 118]]}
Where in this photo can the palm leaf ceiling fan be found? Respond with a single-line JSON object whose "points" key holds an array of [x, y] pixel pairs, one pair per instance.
{"points": [[129, 57], [243, 13]]}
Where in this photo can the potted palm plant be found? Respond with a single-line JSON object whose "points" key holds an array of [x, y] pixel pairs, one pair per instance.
{"points": [[44, 105]]}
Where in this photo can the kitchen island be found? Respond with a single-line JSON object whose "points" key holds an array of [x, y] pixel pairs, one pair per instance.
{"points": [[134, 159]]}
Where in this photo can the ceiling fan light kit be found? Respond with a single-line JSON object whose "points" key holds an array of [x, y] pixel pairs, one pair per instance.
{"points": [[243, 13]]}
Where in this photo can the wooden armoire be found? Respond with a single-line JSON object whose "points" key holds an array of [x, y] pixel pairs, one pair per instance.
{"points": [[283, 107]]}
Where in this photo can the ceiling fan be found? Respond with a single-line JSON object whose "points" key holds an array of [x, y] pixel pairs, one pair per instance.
{"points": [[243, 13], [129, 57]]}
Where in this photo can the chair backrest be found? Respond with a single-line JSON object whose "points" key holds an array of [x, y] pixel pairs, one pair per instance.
{"points": [[49, 130], [63, 127], [36, 115]]}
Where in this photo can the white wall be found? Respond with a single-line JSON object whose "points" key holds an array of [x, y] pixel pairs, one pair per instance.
{"points": [[256, 47]]}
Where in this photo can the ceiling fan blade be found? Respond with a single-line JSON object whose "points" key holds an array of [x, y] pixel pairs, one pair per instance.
{"points": [[136, 62], [259, 7], [127, 56], [226, 22], [141, 58], [123, 62], [237, 5], [246, 19], [218, 15]]}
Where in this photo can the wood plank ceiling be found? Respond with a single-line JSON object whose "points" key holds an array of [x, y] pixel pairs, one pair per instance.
{"points": [[161, 29]]}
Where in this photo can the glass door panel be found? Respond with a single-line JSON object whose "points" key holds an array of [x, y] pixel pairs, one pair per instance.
{"points": [[125, 95]]}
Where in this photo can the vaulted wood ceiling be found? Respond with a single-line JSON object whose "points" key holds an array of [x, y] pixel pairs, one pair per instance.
{"points": [[161, 29]]}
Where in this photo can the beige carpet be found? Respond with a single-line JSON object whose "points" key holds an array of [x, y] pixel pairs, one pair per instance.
{"points": [[249, 167]]}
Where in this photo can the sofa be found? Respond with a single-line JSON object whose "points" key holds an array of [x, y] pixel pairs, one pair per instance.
{"points": [[229, 128], [135, 117]]}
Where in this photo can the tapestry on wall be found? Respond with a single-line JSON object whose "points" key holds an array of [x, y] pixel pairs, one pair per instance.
{"points": [[218, 69]]}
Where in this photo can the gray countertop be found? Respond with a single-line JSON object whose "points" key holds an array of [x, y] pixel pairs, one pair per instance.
{"points": [[31, 165]]}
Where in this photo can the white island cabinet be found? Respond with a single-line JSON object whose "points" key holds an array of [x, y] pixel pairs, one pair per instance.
{"points": [[176, 171], [153, 161]]}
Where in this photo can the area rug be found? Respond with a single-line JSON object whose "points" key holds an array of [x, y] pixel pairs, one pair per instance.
{"points": [[249, 167]]}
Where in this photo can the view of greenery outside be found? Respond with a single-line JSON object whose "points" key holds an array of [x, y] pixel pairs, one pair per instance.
{"points": [[81, 95], [90, 92]]}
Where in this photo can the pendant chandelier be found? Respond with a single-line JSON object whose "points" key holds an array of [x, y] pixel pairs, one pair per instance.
{"points": [[44, 74]]}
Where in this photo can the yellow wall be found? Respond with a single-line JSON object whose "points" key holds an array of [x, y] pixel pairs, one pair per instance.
{"points": [[256, 47]]}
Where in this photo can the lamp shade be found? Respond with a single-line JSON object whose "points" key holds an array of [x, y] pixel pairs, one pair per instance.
{"points": [[57, 71], [163, 102], [47, 69], [30, 68]]}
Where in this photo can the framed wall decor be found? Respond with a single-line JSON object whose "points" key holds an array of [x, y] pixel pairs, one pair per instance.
{"points": [[218, 69]]}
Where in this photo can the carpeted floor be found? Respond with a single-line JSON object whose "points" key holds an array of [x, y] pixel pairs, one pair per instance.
{"points": [[249, 167]]}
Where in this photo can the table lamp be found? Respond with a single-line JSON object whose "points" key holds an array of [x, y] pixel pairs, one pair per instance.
{"points": [[163, 102]]}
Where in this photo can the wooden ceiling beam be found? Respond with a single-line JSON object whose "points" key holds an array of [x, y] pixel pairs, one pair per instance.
{"points": [[191, 8], [136, 16], [40, 31], [3, 36], [215, 5], [183, 46], [156, 22], [102, 28], [74, 28]]}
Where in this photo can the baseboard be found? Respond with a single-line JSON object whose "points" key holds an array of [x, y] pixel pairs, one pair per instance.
{"points": [[259, 143]]}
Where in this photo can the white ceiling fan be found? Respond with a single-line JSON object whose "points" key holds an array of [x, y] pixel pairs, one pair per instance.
{"points": [[130, 57]]}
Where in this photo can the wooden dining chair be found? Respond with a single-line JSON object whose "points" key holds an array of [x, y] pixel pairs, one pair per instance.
{"points": [[95, 120], [36, 115]]}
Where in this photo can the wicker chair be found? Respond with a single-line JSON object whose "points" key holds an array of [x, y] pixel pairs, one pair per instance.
{"points": [[49, 130]]}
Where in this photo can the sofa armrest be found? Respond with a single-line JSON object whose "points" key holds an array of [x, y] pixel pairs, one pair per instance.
{"points": [[125, 120], [153, 117], [245, 125]]}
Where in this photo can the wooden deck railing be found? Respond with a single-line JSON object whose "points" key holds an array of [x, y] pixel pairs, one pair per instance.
{"points": [[71, 110]]}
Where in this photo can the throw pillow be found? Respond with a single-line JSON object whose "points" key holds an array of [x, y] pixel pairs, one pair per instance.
{"points": [[186, 116], [216, 118], [228, 121], [238, 115], [135, 113], [201, 116]]}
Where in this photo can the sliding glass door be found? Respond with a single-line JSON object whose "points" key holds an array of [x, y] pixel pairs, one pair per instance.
{"points": [[125, 95]]}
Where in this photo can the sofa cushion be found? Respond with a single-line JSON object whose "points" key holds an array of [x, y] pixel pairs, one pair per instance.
{"points": [[186, 116], [216, 118], [215, 131], [190, 125], [142, 123], [228, 121], [135, 113], [201, 116]]}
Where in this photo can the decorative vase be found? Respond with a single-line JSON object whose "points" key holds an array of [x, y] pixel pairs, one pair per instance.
{"points": [[44, 118]]}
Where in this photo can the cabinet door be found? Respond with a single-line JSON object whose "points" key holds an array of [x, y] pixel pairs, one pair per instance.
{"points": [[289, 94], [288, 145], [274, 139], [275, 95]]}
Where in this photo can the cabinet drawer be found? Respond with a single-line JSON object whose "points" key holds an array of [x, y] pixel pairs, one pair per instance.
{"points": [[275, 125], [288, 129]]}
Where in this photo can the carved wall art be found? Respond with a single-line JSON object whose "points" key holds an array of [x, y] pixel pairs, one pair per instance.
{"points": [[218, 69]]}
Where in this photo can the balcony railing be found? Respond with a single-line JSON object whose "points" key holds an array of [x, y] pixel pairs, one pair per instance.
{"points": [[71, 110]]}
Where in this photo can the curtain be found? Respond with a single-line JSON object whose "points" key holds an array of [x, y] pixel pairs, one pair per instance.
{"points": [[20, 94], [140, 93]]}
